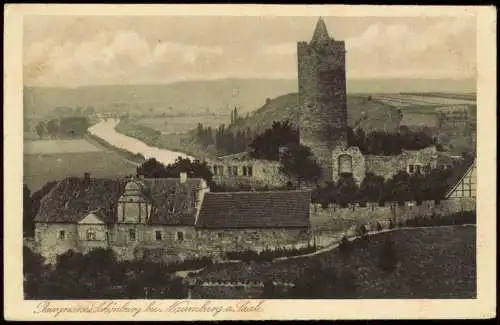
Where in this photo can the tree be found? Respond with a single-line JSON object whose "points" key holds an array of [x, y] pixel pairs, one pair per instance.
{"points": [[266, 145], [33, 272], [40, 129], [152, 168], [371, 188], [298, 162], [346, 190], [52, 127]]}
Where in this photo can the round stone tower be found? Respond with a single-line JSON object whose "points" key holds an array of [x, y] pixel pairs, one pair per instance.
{"points": [[322, 96]]}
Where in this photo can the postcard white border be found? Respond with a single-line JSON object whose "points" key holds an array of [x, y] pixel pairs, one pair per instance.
{"points": [[484, 306]]}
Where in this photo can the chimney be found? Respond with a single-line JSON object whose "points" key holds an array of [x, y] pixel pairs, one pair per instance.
{"points": [[183, 177]]}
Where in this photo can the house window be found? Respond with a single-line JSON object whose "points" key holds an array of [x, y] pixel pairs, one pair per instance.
{"points": [[411, 169], [218, 170], [62, 235], [171, 208], [418, 169], [247, 170], [90, 234], [180, 236], [427, 168], [158, 235], [219, 235], [232, 170], [131, 234]]}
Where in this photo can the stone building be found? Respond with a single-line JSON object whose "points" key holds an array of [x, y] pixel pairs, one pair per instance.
{"points": [[241, 169], [159, 219], [241, 221]]}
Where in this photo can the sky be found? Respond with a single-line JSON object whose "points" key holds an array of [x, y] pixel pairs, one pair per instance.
{"points": [[72, 51]]}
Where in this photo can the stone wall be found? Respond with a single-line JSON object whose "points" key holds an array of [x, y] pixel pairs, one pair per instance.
{"points": [[48, 242], [101, 231], [146, 244], [357, 161], [264, 173], [388, 166], [218, 241], [372, 213]]}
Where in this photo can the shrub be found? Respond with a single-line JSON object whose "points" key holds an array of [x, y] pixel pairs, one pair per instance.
{"points": [[345, 247]]}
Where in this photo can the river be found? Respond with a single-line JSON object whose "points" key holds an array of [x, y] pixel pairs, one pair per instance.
{"points": [[106, 131]]}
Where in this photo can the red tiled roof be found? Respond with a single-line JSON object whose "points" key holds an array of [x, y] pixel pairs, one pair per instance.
{"points": [[275, 209]]}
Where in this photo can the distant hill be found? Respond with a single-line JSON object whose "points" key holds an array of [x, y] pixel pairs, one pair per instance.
{"points": [[218, 96], [379, 116]]}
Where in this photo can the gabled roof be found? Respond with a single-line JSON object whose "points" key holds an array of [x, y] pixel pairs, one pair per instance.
{"points": [[274, 209], [320, 32], [461, 170], [72, 199]]}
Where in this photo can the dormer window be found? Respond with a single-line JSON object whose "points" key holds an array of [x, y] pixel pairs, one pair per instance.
{"points": [[91, 234]]}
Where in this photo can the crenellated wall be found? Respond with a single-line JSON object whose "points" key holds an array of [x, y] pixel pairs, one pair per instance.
{"points": [[324, 218]]}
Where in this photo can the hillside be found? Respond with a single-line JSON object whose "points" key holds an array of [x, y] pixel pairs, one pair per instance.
{"points": [[433, 263], [285, 107], [218, 96]]}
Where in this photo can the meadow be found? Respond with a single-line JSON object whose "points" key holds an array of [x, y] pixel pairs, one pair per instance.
{"points": [[182, 124], [49, 160]]}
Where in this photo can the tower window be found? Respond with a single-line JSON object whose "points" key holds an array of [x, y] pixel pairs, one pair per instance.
{"points": [[131, 234], [62, 235], [158, 235], [345, 165], [180, 236]]}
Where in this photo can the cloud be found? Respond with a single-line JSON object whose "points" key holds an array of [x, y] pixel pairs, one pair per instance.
{"points": [[281, 49], [445, 49], [113, 53], [108, 58]]}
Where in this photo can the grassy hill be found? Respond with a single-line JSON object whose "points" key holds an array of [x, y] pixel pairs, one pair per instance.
{"points": [[285, 107], [433, 263]]}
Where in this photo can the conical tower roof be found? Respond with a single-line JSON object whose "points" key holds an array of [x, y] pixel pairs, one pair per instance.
{"points": [[320, 32]]}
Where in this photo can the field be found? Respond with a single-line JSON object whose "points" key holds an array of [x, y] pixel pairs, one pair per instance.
{"points": [[437, 263], [49, 160], [407, 100], [181, 124]]}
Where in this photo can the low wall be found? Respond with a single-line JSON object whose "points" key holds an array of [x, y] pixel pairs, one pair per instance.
{"points": [[324, 219]]}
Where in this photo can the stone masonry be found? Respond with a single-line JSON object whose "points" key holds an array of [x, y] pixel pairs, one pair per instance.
{"points": [[322, 95]]}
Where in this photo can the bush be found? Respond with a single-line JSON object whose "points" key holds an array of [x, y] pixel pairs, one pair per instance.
{"points": [[268, 255], [345, 247]]}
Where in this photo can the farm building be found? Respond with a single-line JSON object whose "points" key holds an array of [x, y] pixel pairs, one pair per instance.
{"points": [[164, 219]]}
